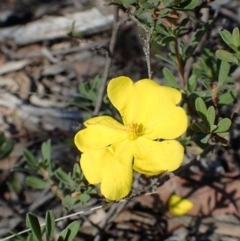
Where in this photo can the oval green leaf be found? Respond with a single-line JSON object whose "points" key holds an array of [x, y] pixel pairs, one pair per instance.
{"points": [[50, 225], [33, 223], [36, 182], [223, 125], [169, 79]]}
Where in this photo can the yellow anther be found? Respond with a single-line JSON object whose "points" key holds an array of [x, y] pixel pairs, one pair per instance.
{"points": [[134, 130]]}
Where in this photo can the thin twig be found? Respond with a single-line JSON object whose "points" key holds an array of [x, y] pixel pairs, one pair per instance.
{"points": [[147, 41], [180, 65], [109, 55]]}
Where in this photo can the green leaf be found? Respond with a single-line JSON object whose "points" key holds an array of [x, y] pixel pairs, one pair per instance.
{"points": [[50, 225], [36, 182], [223, 72], [166, 39], [226, 56], [192, 84], [171, 3], [211, 115], [197, 37], [30, 158], [190, 5], [227, 98], [199, 128], [146, 5], [206, 139], [76, 170], [68, 202], [31, 237], [6, 148], [223, 134], [63, 177], [169, 79], [70, 232], [236, 37], [223, 125], [227, 37], [213, 128], [201, 109], [2, 138], [165, 59], [33, 223], [84, 198], [127, 3], [46, 150]]}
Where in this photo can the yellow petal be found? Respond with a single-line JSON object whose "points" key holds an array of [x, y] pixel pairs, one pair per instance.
{"points": [[150, 104], [179, 206], [112, 167], [152, 158], [118, 176], [100, 132], [92, 164], [156, 109], [170, 125], [119, 92]]}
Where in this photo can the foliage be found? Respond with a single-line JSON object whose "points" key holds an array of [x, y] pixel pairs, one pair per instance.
{"points": [[71, 188], [6, 146], [68, 234]]}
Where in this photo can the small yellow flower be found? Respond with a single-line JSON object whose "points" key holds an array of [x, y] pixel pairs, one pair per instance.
{"points": [[179, 206], [112, 150]]}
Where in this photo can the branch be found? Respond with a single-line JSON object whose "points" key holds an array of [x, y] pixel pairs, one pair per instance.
{"points": [[147, 41], [109, 55]]}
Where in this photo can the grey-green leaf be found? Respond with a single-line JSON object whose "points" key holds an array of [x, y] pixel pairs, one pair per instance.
{"points": [[166, 39], [227, 98], [46, 150], [146, 5], [201, 109], [33, 223], [50, 225], [68, 202], [127, 3], [70, 232], [191, 5], [223, 125], [211, 114], [30, 158], [227, 37], [192, 83], [6, 148], [63, 177], [226, 56], [236, 37], [223, 72], [36, 182], [197, 37], [206, 139], [169, 79], [31, 237], [84, 197], [199, 128]]}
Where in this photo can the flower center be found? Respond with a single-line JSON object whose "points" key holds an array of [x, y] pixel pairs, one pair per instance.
{"points": [[134, 130]]}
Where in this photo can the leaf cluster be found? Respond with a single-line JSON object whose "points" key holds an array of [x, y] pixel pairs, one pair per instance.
{"points": [[37, 233], [71, 187], [232, 40]]}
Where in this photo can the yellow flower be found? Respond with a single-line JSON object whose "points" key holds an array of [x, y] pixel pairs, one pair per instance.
{"points": [[111, 150], [179, 206]]}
